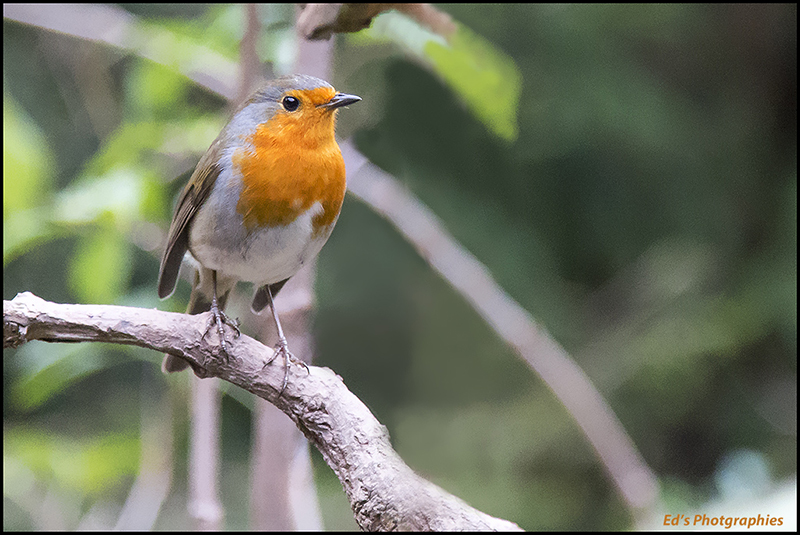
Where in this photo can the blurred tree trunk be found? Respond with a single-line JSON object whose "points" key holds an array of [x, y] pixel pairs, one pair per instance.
{"points": [[283, 495]]}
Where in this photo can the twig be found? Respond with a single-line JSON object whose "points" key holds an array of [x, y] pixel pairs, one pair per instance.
{"points": [[116, 27], [384, 493], [321, 21]]}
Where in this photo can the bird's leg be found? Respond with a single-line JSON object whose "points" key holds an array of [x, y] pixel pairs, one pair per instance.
{"points": [[282, 347], [219, 318]]}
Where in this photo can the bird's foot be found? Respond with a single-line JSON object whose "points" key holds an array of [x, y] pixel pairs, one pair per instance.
{"points": [[282, 348], [219, 319]]}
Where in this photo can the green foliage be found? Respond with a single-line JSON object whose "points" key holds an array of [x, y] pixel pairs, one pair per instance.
{"points": [[100, 269], [188, 46], [486, 78], [46, 376], [482, 75], [90, 465], [155, 92], [26, 159], [27, 181]]}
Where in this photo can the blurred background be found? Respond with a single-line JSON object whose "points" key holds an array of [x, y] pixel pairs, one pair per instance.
{"points": [[628, 174]]}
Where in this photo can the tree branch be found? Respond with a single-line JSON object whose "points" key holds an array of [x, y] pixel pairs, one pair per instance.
{"points": [[384, 493], [321, 21]]}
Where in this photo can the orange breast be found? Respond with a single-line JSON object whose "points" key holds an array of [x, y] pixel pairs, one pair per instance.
{"points": [[292, 161]]}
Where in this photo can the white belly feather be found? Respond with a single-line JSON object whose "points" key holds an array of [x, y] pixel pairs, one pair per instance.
{"points": [[264, 256]]}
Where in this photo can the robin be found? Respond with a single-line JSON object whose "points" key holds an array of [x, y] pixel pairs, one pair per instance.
{"points": [[261, 203]]}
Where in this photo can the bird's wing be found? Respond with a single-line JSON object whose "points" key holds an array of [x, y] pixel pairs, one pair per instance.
{"points": [[192, 198]]}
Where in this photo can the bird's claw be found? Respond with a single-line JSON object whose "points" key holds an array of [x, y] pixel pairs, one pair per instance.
{"points": [[219, 319], [282, 347]]}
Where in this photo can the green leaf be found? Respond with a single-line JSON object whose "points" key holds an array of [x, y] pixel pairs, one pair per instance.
{"points": [[46, 374], [118, 194], [27, 182], [24, 230], [89, 465], [485, 77], [27, 160]]}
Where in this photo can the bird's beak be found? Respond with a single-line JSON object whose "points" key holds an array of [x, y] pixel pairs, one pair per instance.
{"points": [[339, 100]]}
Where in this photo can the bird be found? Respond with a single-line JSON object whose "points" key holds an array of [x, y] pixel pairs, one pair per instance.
{"points": [[260, 204]]}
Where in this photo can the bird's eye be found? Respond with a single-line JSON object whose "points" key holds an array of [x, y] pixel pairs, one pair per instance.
{"points": [[290, 103]]}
